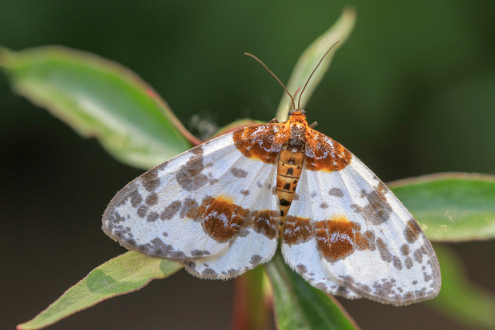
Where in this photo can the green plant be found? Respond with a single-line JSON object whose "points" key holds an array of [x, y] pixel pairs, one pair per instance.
{"points": [[99, 98]]}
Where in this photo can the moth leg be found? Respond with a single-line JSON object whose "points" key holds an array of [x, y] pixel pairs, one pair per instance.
{"points": [[313, 125], [273, 121]]}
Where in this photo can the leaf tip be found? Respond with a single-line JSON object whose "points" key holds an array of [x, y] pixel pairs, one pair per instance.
{"points": [[20, 327], [349, 12]]}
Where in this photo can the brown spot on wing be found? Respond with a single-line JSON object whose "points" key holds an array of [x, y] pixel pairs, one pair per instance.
{"points": [[397, 263], [189, 175], [324, 154], [383, 249], [261, 142], [209, 272], [152, 216], [418, 254], [238, 172], [370, 236], [297, 230], [156, 248], [256, 259], [152, 199], [301, 268], [135, 198], [378, 209], [141, 211], [150, 179], [171, 210], [189, 207], [337, 192], [338, 238], [412, 231], [265, 222], [221, 219], [409, 262]]}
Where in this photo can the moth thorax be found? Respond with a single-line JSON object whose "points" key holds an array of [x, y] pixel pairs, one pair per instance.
{"points": [[297, 136], [289, 168]]}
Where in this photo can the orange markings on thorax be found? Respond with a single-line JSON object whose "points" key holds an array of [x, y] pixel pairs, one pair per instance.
{"points": [[297, 117]]}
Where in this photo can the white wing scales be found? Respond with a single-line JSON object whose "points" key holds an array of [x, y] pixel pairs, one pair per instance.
{"points": [[305, 259], [366, 240], [247, 251], [159, 213]]}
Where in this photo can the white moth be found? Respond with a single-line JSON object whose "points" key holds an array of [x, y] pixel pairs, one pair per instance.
{"points": [[221, 208]]}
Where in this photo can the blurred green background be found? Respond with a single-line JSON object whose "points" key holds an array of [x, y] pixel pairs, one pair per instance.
{"points": [[411, 92]]}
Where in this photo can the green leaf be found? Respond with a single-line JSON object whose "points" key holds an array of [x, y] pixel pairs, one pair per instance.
{"points": [[100, 98], [451, 206], [300, 306], [459, 299], [125, 273], [307, 62]]}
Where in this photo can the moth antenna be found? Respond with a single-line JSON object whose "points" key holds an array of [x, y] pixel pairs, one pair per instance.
{"points": [[329, 49], [297, 91], [273, 74]]}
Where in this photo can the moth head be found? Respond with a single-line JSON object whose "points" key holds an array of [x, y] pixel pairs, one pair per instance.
{"points": [[296, 112]]}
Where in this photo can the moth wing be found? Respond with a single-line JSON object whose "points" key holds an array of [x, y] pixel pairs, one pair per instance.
{"points": [[194, 205], [248, 250], [366, 240], [300, 248]]}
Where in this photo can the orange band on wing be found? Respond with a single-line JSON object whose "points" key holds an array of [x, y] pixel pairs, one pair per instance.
{"points": [[222, 219], [338, 237], [297, 230]]}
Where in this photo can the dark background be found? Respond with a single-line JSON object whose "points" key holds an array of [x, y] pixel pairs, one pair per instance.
{"points": [[410, 93]]}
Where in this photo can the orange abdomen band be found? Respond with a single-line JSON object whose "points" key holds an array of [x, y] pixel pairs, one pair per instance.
{"points": [[288, 172]]}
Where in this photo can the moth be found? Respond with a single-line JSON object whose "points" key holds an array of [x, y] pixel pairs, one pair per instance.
{"points": [[221, 208]]}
